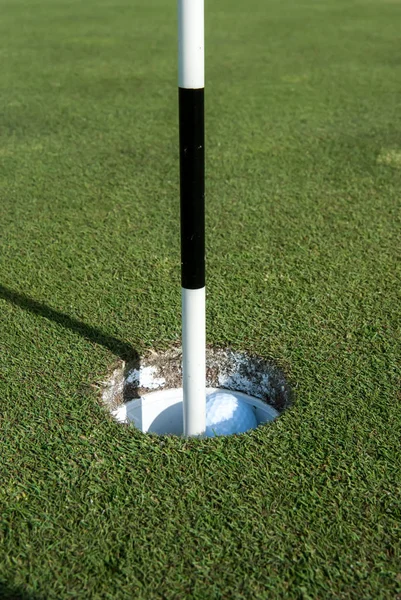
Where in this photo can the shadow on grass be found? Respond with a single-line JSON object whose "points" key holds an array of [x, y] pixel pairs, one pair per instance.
{"points": [[122, 349], [8, 591]]}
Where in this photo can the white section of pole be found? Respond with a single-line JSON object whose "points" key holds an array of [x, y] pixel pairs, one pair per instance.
{"points": [[194, 361], [191, 42]]}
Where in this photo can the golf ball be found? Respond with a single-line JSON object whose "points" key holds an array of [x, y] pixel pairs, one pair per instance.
{"points": [[225, 415]]}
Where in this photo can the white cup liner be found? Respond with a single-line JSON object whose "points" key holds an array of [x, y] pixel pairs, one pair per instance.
{"points": [[161, 412]]}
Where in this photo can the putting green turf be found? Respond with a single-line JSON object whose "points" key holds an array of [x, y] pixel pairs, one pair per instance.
{"points": [[303, 218]]}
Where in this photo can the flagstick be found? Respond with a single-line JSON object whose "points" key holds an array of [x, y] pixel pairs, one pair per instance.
{"points": [[192, 193]]}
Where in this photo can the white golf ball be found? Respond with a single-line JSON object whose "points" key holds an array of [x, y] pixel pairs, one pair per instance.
{"points": [[225, 415]]}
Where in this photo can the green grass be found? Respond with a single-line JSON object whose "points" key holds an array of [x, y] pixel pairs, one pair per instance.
{"points": [[303, 218]]}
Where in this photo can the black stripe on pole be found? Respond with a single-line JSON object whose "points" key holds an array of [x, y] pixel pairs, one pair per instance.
{"points": [[192, 182]]}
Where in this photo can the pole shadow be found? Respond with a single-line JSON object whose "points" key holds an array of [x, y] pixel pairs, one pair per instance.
{"points": [[118, 347], [8, 591]]}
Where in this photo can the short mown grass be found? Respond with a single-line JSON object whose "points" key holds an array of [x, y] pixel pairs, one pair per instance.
{"points": [[303, 119]]}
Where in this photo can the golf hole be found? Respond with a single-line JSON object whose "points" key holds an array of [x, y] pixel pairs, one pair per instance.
{"points": [[149, 395]]}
